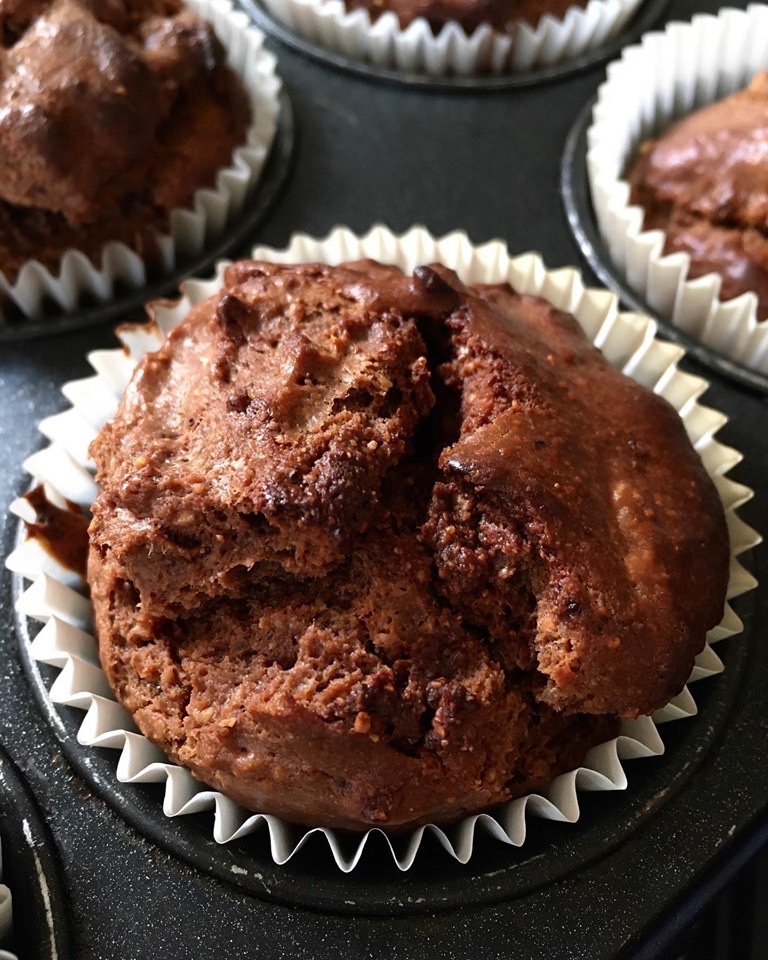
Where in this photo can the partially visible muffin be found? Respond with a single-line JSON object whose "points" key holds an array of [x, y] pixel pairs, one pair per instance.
{"points": [[456, 38], [703, 183], [112, 114], [373, 549], [502, 15]]}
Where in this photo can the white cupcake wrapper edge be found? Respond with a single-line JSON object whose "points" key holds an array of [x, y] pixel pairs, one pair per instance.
{"points": [[452, 51]]}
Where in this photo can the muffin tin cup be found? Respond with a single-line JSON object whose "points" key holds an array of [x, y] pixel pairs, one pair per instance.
{"points": [[57, 597], [451, 51], [668, 75], [647, 14], [40, 295]]}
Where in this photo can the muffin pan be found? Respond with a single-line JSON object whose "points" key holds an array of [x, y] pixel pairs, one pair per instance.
{"points": [[486, 161]]}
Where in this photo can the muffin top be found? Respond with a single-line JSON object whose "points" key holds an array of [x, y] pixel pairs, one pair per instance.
{"points": [[304, 421], [703, 183], [90, 98], [711, 163]]}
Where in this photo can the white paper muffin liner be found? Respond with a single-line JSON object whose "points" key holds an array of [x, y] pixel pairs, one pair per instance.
{"points": [[664, 77], [452, 51], [57, 597], [190, 228]]}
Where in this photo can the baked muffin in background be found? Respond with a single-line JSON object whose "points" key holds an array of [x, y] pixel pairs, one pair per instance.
{"points": [[702, 182], [112, 116], [455, 38], [686, 259], [373, 549]]}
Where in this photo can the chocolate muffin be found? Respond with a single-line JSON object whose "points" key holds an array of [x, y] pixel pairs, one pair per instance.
{"points": [[112, 114], [703, 183], [377, 549], [502, 15]]}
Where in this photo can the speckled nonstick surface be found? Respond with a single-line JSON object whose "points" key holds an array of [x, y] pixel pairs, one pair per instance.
{"points": [[31, 871], [640, 865]]}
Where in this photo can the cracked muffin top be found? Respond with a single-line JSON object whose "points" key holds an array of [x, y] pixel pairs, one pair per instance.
{"points": [[353, 524]]}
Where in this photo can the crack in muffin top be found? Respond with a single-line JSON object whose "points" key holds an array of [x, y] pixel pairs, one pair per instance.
{"points": [[384, 549]]}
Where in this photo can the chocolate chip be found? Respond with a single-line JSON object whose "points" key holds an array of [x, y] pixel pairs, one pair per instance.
{"points": [[231, 315], [432, 281]]}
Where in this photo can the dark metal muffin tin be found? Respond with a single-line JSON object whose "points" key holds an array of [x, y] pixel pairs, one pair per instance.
{"points": [[640, 865], [32, 874]]}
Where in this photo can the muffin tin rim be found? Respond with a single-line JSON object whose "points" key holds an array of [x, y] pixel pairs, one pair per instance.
{"points": [[41, 930]]}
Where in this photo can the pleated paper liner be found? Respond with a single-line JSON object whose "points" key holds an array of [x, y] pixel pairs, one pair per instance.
{"points": [[38, 296], [58, 599], [416, 50], [668, 75], [577, 200]]}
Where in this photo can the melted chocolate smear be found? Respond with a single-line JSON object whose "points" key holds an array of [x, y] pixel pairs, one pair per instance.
{"points": [[62, 532]]}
